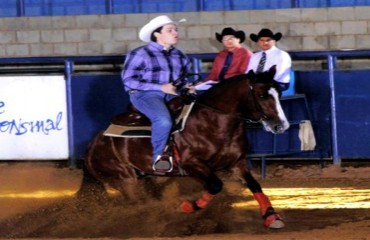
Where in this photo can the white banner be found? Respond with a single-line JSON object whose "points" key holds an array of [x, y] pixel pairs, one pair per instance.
{"points": [[33, 118]]}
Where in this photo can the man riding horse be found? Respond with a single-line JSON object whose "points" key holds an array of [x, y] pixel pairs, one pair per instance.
{"points": [[148, 75]]}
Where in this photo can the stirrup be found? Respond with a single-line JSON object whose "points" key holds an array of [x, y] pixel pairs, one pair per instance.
{"points": [[163, 163]]}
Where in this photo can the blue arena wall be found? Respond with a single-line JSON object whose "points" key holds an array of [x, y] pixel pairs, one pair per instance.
{"points": [[353, 113], [341, 127], [20, 8], [97, 98]]}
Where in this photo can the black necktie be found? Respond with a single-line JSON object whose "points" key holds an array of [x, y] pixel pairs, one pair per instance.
{"points": [[262, 62], [167, 55], [228, 59]]}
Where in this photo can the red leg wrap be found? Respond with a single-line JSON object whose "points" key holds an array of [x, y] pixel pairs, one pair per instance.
{"points": [[187, 207], [263, 201], [204, 200], [271, 218]]}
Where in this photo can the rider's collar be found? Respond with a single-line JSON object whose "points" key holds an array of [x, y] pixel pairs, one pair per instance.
{"points": [[160, 47]]}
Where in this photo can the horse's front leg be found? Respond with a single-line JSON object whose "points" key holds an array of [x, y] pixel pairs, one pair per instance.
{"points": [[213, 185], [271, 218]]}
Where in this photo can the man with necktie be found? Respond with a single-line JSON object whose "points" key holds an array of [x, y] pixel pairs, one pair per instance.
{"points": [[233, 59], [270, 55]]}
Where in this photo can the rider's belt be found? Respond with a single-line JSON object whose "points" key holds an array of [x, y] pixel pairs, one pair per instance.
{"points": [[133, 91]]}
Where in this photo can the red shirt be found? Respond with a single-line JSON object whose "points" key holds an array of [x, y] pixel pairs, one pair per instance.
{"points": [[238, 64]]}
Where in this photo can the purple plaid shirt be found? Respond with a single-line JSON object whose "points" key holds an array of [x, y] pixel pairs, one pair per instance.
{"points": [[148, 67]]}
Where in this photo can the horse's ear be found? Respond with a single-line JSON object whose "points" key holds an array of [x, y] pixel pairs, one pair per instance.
{"points": [[272, 70], [251, 75]]}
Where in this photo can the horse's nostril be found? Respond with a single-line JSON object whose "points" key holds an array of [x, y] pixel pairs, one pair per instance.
{"points": [[278, 128]]}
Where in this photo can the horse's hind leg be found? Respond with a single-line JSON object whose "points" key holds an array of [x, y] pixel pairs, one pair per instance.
{"points": [[271, 218]]}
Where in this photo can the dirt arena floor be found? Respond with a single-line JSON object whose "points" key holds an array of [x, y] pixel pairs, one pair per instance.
{"points": [[38, 201]]}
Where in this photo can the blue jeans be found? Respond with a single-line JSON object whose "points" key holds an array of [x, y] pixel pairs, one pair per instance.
{"points": [[153, 105]]}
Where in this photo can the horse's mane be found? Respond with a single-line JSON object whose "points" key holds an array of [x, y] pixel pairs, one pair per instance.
{"points": [[232, 91], [234, 82], [219, 89]]}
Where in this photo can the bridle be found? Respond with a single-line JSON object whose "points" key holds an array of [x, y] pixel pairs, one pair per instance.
{"points": [[257, 107]]}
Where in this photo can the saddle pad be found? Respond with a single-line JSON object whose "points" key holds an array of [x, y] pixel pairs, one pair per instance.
{"points": [[183, 117], [127, 131], [145, 131]]}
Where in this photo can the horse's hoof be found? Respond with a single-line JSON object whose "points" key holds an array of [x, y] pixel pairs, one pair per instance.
{"points": [[274, 221], [187, 207]]}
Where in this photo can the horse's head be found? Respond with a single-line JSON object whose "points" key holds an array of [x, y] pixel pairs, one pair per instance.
{"points": [[266, 94]]}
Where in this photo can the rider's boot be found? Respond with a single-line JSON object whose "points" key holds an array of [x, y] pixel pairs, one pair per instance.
{"points": [[163, 163]]}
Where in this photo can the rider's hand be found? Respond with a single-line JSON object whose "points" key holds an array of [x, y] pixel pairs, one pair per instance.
{"points": [[169, 89], [191, 88]]}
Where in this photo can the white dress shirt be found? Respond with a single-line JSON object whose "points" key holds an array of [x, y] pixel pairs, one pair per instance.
{"points": [[274, 56]]}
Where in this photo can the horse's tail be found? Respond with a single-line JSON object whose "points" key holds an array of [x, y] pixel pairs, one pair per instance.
{"points": [[90, 185]]}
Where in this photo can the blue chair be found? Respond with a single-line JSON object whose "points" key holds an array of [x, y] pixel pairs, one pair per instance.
{"points": [[291, 90], [290, 94]]}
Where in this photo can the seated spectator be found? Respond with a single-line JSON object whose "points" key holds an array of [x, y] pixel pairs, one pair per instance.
{"points": [[270, 55], [233, 59]]}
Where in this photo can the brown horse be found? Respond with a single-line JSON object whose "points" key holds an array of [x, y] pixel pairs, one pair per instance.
{"points": [[213, 139]]}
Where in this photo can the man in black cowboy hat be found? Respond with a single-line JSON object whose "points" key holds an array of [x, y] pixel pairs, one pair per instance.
{"points": [[271, 55], [233, 59]]}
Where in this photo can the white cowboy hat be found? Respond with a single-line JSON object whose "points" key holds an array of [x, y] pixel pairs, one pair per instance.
{"points": [[160, 21]]}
